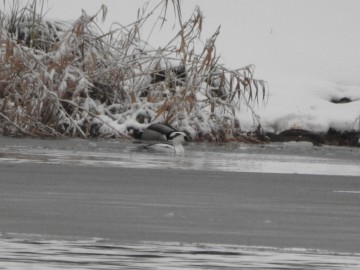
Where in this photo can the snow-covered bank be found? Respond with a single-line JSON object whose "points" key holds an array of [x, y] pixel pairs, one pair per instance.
{"points": [[306, 102], [307, 53], [74, 80], [306, 50]]}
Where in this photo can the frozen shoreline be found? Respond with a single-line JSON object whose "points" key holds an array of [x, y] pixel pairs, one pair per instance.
{"points": [[287, 157]]}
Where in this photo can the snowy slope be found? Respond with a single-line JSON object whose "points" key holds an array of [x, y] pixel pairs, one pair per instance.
{"points": [[307, 51]]}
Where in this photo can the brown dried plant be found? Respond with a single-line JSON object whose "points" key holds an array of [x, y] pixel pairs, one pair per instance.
{"points": [[59, 79]]}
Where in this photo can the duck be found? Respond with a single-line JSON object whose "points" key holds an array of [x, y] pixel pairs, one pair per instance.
{"points": [[161, 138], [176, 137], [156, 132]]}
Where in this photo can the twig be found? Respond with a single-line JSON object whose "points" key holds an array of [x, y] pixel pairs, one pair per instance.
{"points": [[16, 125]]}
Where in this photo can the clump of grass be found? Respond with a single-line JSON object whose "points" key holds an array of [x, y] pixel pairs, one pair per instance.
{"points": [[60, 79]]}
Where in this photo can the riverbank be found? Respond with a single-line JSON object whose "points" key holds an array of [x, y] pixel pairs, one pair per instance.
{"points": [[332, 137]]}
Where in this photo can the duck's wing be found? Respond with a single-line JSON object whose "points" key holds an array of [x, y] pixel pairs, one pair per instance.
{"points": [[162, 128], [153, 135], [167, 130]]}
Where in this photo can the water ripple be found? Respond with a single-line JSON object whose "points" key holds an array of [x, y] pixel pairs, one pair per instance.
{"points": [[37, 252]]}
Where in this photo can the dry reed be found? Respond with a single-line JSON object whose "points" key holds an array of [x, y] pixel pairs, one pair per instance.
{"points": [[59, 79]]}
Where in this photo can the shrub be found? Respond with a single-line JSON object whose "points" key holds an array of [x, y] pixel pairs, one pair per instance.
{"points": [[61, 79]]}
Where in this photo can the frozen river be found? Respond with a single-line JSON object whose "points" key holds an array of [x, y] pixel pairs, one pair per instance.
{"points": [[77, 204]]}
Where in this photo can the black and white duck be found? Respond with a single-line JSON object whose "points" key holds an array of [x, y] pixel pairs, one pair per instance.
{"points": [[155, 132], [174, 145], [164, 138]]}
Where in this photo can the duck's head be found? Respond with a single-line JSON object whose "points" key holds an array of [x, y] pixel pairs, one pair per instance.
{"points": [[177, 137]]}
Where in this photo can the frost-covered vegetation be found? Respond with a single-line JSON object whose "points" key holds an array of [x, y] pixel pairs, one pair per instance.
{"points": [[71, 79]]}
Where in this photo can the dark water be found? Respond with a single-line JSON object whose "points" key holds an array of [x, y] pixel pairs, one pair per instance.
{"points": [[38, 252]]}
